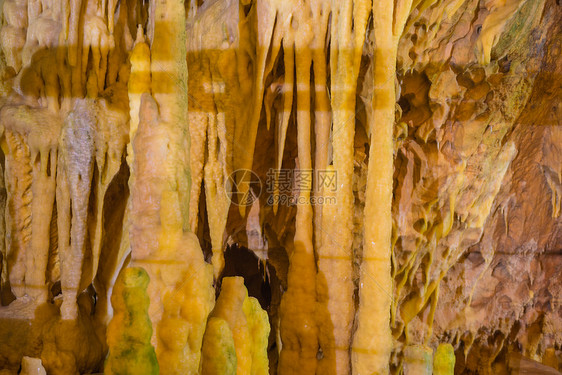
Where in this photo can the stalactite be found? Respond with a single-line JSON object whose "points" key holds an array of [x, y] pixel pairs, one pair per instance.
{"points": [[43, 190], [18, 215], [169, 88], [372, 340], [38, 128], [13, 31], [75, 10], [322, 115], [217, 201], [110, 138], [77, 160], [198, 123], [287, 89], [500, 13], [245, 133], [3, 231], [349, 21], [95, 43], [331, 262], [213, 114], [299, 332]]}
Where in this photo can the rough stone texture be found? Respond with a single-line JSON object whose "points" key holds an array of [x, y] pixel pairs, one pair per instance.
{"points": [[477, 233], [476, 205]]}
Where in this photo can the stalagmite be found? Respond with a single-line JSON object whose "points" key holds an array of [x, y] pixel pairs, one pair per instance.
{"points": [[139, 83], [32, 366], [130, 330], [218, 356], [418, 360], [258, 325], [444, 360], [248, 326], [156, 246], [160, 238]]}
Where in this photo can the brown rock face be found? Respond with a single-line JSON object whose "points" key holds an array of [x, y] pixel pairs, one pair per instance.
{"points": [[386, 175], [476, 204]]}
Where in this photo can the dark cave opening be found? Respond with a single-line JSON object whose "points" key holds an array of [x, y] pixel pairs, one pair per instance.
{"points": [[240, 261]]}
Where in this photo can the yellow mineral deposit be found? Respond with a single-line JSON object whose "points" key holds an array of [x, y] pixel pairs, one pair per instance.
{"points": [[218, 355], [444, 360], [247, 324], [180, 288], [429, 247]]}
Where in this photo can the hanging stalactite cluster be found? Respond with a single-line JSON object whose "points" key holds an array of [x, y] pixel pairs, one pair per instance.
{"points": [[127, 127]]}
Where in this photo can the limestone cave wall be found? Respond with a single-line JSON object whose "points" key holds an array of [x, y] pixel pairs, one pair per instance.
{"points": [[283, 187]]}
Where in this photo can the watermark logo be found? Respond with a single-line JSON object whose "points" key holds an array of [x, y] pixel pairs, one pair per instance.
{"points": [[288, 181], [283, 186], [243, 187], [295, 200]]}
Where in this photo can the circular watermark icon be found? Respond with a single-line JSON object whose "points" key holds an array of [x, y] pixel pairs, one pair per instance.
{"points": [[243, 187]]}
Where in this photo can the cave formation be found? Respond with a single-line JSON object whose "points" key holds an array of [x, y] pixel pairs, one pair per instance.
{"points": [[280, 187]]}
